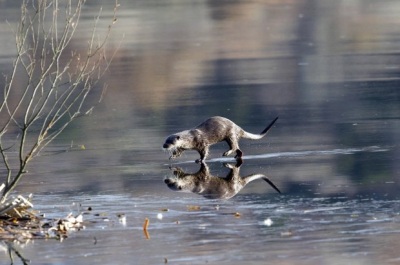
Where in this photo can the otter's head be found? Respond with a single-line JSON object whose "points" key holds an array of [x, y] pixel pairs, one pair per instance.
{"points": [[180, 140], [179, 184], [172, 142]]}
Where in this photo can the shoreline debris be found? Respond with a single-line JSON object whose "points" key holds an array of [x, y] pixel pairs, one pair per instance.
{"points": [[18, 222]]}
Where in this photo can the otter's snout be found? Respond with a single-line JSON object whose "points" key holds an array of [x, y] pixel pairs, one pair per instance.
{"points": [[172, 184], [168, 181], [165, 146]]}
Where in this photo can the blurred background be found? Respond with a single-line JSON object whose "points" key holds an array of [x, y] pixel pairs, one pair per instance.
{"points": [[328, 69]]}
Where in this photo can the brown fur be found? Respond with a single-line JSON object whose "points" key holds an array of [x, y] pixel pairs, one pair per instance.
{"points": [[211, 131]]}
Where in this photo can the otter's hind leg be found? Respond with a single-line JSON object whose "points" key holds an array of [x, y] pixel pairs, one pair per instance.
{"points": [[233, 147]]}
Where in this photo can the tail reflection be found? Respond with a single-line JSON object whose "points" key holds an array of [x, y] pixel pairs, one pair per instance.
{"points": [[213, 187]]}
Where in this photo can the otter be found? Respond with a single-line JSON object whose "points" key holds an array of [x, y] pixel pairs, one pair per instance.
{"points": [[210, 186], [211, 131]]}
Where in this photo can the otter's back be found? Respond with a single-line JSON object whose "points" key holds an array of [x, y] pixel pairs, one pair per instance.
{"points": [[216, 128]]}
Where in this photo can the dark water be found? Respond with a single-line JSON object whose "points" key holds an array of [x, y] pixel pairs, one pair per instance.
{"points": [[328, 69]]}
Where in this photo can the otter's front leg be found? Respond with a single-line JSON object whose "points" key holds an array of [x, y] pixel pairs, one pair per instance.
{"points": [[204, 169], [177, 171], [176, 153], [203, 154]]}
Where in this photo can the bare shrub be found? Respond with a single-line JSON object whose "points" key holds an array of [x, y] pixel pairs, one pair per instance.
{"points": [[57, 80]]}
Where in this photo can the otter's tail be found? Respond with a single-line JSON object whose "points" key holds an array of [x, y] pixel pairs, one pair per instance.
{"points": [[252, 136], [250, 178]]}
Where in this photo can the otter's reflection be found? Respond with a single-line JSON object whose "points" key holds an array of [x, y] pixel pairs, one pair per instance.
{"points": [[212, 187]]}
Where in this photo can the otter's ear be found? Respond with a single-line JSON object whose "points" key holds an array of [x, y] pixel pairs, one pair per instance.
{"points": [[178, 137]]}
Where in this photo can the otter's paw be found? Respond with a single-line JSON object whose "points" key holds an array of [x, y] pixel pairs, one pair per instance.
{"points": [[239, 162], [177, 153], [199, 161], [227, 153], [177, 171], [228, 165], [239, 154]]}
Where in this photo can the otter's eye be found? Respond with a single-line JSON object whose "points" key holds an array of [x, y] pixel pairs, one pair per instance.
{"points": [[178, 137]]}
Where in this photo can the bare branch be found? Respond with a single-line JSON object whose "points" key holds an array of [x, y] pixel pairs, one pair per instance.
{"points": [[57, 84]]}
